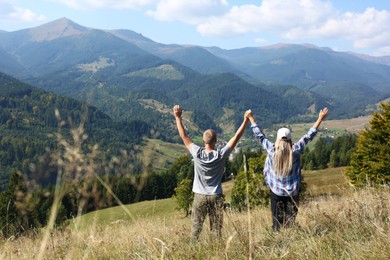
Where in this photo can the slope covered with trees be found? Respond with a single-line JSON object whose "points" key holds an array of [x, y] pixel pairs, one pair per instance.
{"points": [[29, 124]]}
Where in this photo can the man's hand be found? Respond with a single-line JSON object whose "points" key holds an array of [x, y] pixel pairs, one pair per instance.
{"points": [[234, 140], [177, 111]]}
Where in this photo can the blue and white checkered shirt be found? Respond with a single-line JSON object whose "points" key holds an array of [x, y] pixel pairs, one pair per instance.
{"points": [[288, 186]]}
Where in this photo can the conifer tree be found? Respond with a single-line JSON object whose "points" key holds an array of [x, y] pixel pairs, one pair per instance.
{"points": [[11, 220], [257, 192], [370, 163]]}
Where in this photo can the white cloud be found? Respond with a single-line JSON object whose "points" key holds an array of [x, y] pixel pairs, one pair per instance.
{"points": [[367, 30], [303, 19], [270, 15], [10, 12], [348, 25], [260, 40], [115, 4], [188, 11]]}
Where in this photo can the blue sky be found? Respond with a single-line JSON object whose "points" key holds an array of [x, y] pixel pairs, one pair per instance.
{"points": [[361, 26]]}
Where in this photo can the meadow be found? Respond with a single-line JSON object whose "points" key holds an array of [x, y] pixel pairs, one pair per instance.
{"points": [[335, 221]]}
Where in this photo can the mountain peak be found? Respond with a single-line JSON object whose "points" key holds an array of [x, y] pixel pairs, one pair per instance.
{"points": [[62, 27]]}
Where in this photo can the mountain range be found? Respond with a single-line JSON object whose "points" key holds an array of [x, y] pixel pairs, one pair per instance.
{"points": [[126, 75]]}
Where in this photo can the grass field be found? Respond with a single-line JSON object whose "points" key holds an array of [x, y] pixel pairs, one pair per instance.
{"points": [[328, 182], [132, 213], [354, 224]]}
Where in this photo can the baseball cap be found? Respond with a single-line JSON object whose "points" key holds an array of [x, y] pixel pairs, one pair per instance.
{"points": [[283, 133]]}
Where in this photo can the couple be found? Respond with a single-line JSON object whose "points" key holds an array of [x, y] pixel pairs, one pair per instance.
{"points": [[282, 172]]}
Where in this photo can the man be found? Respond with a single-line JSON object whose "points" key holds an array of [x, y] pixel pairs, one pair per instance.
{"points": [[209, 168]]}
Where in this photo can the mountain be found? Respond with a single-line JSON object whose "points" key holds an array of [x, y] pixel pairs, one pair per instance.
{"points": [[301, 65], [65, 46], [117, 76], [306, 66], [28, 125], [122, 73], [194, 57], [9, 65], [385, 60]]}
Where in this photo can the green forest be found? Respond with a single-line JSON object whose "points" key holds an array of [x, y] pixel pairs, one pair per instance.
{"points": [[29, 124]]}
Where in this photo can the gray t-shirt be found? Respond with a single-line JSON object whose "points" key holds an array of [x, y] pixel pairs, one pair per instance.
{"points": [[209, 169]]}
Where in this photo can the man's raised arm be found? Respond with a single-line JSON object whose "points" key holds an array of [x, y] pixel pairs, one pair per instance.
{"points": [[232, 142], [177, 111]]}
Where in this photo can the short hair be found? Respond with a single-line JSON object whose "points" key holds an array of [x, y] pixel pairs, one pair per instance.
{"points": [[209, 136]]}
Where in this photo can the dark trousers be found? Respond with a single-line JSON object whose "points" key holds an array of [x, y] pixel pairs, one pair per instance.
{"points": [[284, 210]]}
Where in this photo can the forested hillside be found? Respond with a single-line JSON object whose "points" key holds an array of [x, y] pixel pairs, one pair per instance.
{"points": [[28, 125]]}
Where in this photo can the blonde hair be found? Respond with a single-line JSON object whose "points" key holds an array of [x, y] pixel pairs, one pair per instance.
{"points": [[209, 136], [282, 160]]}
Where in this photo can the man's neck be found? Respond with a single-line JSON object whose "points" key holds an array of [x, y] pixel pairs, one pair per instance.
{"points": [[209, 147]]}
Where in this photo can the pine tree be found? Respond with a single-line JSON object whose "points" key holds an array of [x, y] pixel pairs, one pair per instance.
{"points": [[11, 219], [258, 193], [370, 163]]}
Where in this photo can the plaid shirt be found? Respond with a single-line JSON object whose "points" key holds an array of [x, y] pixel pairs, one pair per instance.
{"points": [[288, 186]]}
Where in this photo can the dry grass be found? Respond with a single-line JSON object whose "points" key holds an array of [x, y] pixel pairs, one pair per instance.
{"points": [[354, 226], [331, 181]]}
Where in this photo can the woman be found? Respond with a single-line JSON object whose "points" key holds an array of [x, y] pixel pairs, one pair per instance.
{"points": [[282, 169]]}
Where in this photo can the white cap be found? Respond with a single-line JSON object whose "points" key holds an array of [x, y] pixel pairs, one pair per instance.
{"points": [[284, 133]]}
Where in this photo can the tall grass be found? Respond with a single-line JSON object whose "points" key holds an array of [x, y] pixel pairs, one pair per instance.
{"points": [[353, 226]]}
